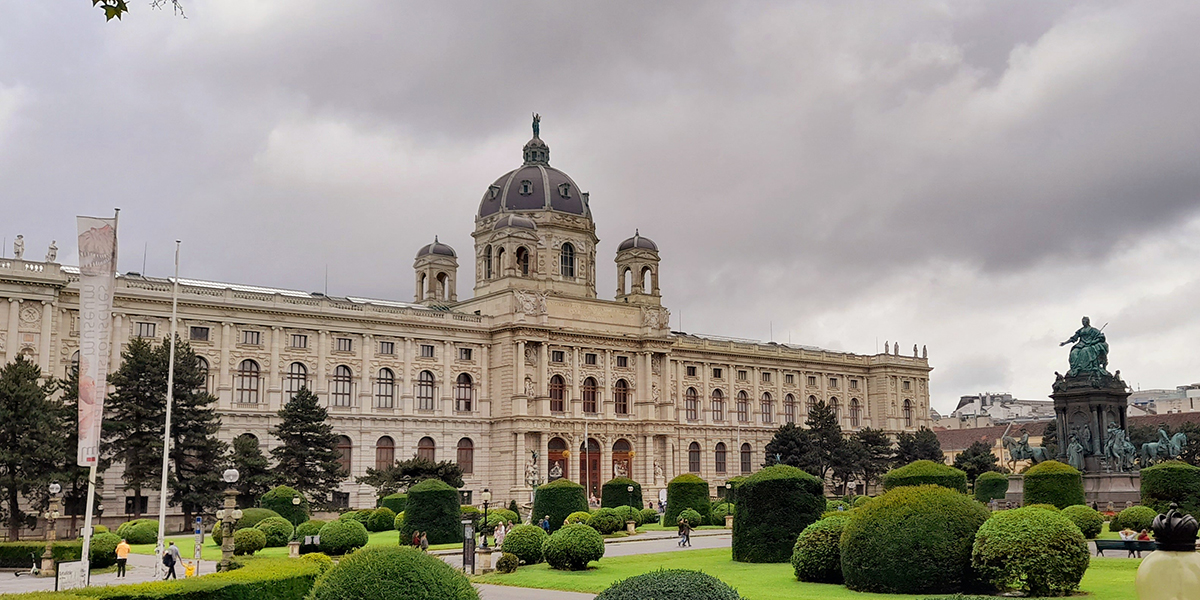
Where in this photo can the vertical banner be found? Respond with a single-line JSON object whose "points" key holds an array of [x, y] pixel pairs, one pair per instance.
{"points": [[97, 277]]}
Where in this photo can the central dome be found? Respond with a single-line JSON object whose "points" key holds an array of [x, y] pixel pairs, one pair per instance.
{"points": [[534, 186]]}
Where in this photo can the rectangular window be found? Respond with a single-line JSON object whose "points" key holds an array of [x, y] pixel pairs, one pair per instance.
{"points": [[907, 385], [812, 381], [716, 373], [622, 361], [766, 377], [742, 375], [557, 356], [789, 379], [854, 384], [145, 330], [691, 371], [589, 359], [464, 354], [254, 338], [426, 351], [387, 347], [345, 345], [341, 499], [299, 341], [198, 334], [137, 504], [833, 383]]}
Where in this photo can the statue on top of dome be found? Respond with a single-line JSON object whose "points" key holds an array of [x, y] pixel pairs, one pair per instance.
{"points": [[537, 125]]}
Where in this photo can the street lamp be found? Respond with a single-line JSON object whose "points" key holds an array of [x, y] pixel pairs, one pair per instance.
{"points": [[52, 514], [295, 500], [228, 517], [487, 497], [629, 501]]}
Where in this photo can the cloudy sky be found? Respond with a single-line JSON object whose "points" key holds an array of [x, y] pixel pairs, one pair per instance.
{"points": [[970, 176]]}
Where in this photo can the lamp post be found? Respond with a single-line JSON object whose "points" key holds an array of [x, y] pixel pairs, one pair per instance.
{"points": [[487, 497], [629, 500], [228, 516], [51, 531]]}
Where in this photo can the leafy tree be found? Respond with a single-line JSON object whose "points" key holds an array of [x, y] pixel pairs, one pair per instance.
{"points": [[846, 461], [308, 458], [115, 9], [133, 419], [922, 445], [197, 455], [254, 470], [877, 453], [826, 439], [976, 459], [31, 441], [1191, 450], [403, 474], [790, 445]]}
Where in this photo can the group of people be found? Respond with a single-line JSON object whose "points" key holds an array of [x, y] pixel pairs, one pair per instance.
{"points": [[501, 530], [1130, 535], [685, 533], [420, 540]]}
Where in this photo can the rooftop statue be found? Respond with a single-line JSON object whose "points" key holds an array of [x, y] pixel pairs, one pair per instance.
{"points": [[537, 125], [1089, 355]]}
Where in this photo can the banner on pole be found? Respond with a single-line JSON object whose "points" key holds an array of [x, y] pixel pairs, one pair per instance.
{"points": [[97, 277]]}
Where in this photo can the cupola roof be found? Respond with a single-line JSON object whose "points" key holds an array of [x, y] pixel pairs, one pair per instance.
{"points": [[535, 185], [638, 241], [436, 248]]}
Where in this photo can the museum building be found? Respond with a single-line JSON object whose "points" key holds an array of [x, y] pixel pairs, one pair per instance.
{"points": [[533, 378]]}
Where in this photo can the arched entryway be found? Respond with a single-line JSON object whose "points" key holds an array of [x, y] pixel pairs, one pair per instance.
{"points": [[557, 456], [589, 467], [622, 459]]}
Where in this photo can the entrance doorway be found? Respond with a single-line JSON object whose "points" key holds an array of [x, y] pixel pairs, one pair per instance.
{"points": [[557, 459], [589, 467], [621, 459]]}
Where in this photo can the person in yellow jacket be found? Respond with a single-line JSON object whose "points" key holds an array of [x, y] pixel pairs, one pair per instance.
{"points": [[122, 556]]}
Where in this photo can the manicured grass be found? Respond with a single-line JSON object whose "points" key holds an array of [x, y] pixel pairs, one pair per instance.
{"points": [[1107, 579], [1105, 534], [212, 551]]}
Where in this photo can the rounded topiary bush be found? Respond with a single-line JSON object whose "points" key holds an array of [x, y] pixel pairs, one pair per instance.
{"points": [[279, 499], [717, 515], [363, 516], [350, 515], [1039, 552], [526, 542], [572, 547], [649, 515], [606, 521], [1136, 518], [1089, 521], [248, 541], [670, 584], [615, 492], [507, 563], [1049, 507], [911, 540], [342, 536], [579, 517], [1172, 481], [99, 529], [991, 485], [382, 519], [433, 508], [103, 552], [817, 556], [396, 502], [277, 529], [836, 506], [250, 518], [398, 522], [777, 503], [859, 501], [323, 562], [139, 531], [392, 573], [309, 528], [559, 498], [1052, 482], [628, 513], [924, 472], [505, 515], [684, 492], [693, 518]]}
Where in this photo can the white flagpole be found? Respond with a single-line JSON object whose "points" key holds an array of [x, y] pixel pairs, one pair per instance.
{"points": [[160, 547]]}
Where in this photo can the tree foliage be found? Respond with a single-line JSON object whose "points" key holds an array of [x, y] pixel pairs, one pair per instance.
{"points": [[404, 474], [254, 470], [307, 458], [31, 443], [922, 445], [133, 419], [115, 9], [976, 460]]}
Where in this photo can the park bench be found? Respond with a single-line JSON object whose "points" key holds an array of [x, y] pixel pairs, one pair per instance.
{"points": [[1127, 545]]}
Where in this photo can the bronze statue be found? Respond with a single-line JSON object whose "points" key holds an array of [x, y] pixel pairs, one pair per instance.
{"points": [[1089, 355], [1075, 453], [537, 125]]}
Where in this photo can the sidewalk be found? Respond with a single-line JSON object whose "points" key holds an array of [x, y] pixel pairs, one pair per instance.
{"points": [[140, 569], [644, 536]]}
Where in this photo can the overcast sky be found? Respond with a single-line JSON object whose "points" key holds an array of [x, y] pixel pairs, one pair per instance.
{"points": [[969, 176]]}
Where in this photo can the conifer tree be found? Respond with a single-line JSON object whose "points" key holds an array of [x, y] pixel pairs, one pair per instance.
{"points": [[133, 419], [72, 477], [255, 477], [976, 459], [31, 441], [922, 445], [308, 458], [197, 455], [826, 438]]}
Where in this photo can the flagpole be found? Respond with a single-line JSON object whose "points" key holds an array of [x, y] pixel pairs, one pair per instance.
{"points": [[160, 547]]}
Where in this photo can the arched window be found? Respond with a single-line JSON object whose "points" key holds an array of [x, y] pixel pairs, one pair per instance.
{"points": [[789, 408], [743, 407], [621, 459], [621, 397], [427, 449], [500, 262], [340, 384], [646, 281], [836, 408], [810, 405], [908, 414], [855, 417], [425, 390], [385, 389], [767, 407], [201, 368], [558, 393], [297, 378], [487, 262], [694, 457], [464, 393], [567, 261], [344, 449], [589, 395], [718, 406], [746, 458], [691, 402], [443, 287], [385, 453], [719, 455], [466, 456], [555, 449], [626, 281], [247, 382], [74, 368], [522, 260]]}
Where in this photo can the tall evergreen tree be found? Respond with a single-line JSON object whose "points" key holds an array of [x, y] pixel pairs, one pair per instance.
{"points": [[976, 459], [72, 477], [307, 460], [31, 441], [826, 436], [133, 419], [197, 455], [876, 456], [791, 445], [922, 445], [255, 477]]}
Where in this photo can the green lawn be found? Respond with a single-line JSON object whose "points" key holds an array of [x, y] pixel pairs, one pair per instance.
{"points": [[658, 527], [212, 551], [1107, 579]]}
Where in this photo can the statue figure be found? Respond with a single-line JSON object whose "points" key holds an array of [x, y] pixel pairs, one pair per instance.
{"points": [[1085, 438], [1166, 448], [915, 355], [1090, 352], [529, 389], [924, 351], [537, 125], [1075, 453], [658, 471], [1118, 450], [19, 247], [620, 470], [1021, 450], [531, 471], [52, 252], [886, 347], [556, 471]]}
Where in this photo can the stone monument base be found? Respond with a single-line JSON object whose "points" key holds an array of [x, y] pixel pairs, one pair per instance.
{"points": [[1100, 488]]}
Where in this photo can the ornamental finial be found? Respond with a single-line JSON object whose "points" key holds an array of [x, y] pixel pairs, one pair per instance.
{"points": [[537, 125]]}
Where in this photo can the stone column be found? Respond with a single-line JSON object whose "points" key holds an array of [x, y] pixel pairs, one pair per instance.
{"points": [[520, 400], [544, 456], [226, 383], [543, 371], [274, 372], [576, 396], [14, 318], [445, 394], [322, 352], [47, 321], [519, 458], [484, 382], [365, 393], [705, 393], [605, 391], [606, 459], [407, 392]]}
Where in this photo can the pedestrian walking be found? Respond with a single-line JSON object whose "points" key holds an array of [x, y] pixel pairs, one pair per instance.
{"points": [[545, 524], [170, 559], [416, 541], [424, 542], [122, 557], [685, 533]]}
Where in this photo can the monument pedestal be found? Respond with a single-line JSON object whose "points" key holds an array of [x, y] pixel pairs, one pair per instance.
{"points": [[1084, 407], [1100, 488]]}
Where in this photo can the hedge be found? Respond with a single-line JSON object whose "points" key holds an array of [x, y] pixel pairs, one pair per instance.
{"points": [[259, 579], [777, 503], [628, 513], [923, 472], [526, 542], [393, 573], [382, 519], [339, 537], [731, 491], [615, 492], [398, 522], [605, 521], [16, 554], [1089, 521], [580, 516], [670, 584], [307, 528], [1038, 552], [1136, 518], [139, 531], [250, 518], [248, 541], [278, 530], [717, 515], [911, 540], [507, 563], [350, 515], [559, 498], [991, 485], [649, 515], [1172, 481], [279, 499], [396, 502], [572, 547], [322, 560], [817, 556], [103, 551], [433, 508], [1052, 482], [684, 492]]}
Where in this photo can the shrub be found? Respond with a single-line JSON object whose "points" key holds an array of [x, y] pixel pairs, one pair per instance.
{"points": [[467, 509], [278, 531], [507, 563], [1036, 551], [670, 584], [526, 542], [911, 540], [628, 513], [692, 517], [139, 531], [322, 560], [615, 492], [1052, 482], [433, 508], [103, 552], [1172, 481], [250, 518], [382, 519], [559, 498], [1136, 518], [731, 492], [572, 547], [1087, 519], [396, 502], [339, 537], [505, 514], [516, 510], [580, 517], [1049, 507], [363, 516], [816, 556], [836, 506], [991, 485], [392, 573], [15, 555], [274, 578], [778, 502], [279, 499], [307, 528], [684, 492], [859, 501], [398, 522], [100, 529], [649, 515], [606, 521], [248, 541], [350, 515], [717, 515], [922, 472]]}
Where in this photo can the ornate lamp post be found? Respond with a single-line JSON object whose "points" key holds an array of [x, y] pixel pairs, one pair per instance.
{"points": [[487, 497], [228, 516], [629, 499], [52, 515]]}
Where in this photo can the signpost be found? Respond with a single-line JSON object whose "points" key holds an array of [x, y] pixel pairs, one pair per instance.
{"points": [[71, 575], [468, 544], [199, 543]]}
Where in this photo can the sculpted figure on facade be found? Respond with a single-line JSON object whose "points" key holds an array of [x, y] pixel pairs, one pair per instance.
{"points": [[1075, 453], [19, 247], [52, 251], [530, 390], [658, 473], [532, 477], [531, 303]]}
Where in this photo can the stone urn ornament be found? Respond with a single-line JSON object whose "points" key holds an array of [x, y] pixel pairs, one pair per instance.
{"points": [[1172, 571]]}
